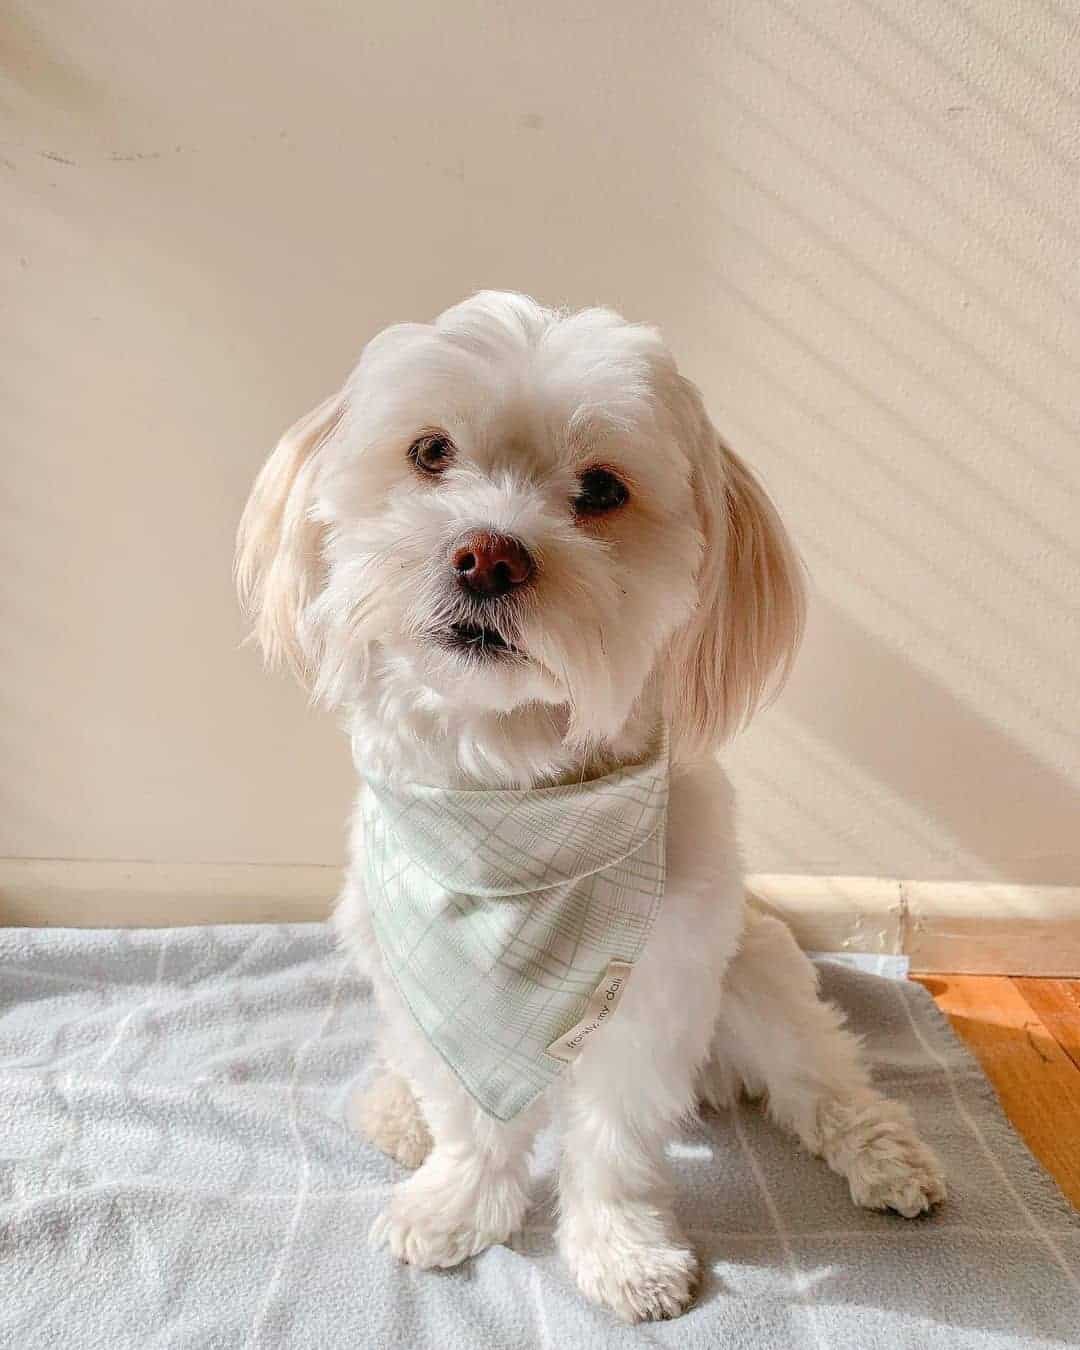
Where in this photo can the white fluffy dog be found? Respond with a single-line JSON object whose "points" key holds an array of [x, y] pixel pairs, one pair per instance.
{"points": [[509, 546]]}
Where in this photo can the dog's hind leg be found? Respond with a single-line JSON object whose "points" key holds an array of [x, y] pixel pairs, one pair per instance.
{"points": [[388, 1115], [777, 1038]]}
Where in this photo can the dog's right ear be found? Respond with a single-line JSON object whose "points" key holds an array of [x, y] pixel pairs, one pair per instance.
{"points": [[279, 560]]}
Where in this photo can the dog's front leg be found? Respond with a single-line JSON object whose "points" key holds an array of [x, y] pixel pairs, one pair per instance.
{"points": [[471, 1191], [617, 1230]]}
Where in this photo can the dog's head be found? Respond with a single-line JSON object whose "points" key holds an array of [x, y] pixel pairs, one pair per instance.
{"points": [[516, 505]]}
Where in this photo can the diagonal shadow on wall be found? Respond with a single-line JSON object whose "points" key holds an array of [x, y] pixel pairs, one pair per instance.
{"points": [[917, 736]]}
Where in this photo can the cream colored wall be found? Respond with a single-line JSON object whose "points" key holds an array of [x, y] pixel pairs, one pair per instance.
{"points": [[855, 222]]}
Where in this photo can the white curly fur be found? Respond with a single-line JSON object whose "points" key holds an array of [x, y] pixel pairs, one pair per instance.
{"points": [[686, 602]]}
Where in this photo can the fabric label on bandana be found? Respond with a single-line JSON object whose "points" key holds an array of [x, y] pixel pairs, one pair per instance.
{"points": [[603, 1003], [507, 917]]}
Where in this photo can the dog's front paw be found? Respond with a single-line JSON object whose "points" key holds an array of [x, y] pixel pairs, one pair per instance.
{"points": [[887, 1165], [422, 1238], [629, 1258], [441, 1217]]}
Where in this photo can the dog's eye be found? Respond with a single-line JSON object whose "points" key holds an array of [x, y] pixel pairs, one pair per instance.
{"points": [[432, 452], [599, 491]]}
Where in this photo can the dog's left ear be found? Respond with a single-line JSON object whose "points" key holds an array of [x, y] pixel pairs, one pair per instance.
{"points": [[736, 650]]}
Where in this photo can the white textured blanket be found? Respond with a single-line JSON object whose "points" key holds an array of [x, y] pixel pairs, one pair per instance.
{"points": [[176, 1171]]}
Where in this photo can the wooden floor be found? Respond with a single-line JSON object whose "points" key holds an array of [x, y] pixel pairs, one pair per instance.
{"points": [[1026, 1034]]}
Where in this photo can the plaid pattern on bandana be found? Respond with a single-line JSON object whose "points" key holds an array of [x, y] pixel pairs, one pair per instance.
{"points": [[498, 912]]}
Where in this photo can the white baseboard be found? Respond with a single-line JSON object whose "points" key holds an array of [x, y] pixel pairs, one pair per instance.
{"points": [[835, 914], [73, 893], [970, 927], [973, 927]]}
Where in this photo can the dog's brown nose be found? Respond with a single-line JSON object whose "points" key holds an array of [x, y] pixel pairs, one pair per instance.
{"points": [[491, 564]]}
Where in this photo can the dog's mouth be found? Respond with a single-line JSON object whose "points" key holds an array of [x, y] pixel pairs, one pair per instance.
{"points": [[476, 640]]}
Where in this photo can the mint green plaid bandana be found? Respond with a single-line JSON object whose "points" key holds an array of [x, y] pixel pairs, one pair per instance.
{"points": [[510, 920]]}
